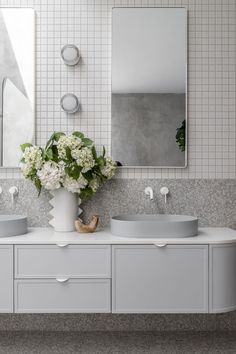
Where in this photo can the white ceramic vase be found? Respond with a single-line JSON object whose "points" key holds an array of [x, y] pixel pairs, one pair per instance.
{"points": [[65, 210]]}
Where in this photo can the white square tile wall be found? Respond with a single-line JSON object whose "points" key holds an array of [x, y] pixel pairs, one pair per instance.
{"points": [[211, 78]]}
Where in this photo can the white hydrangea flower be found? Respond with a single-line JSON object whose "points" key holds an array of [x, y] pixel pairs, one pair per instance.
{"points": [[33, 157], [94, 184], [109, 169], [75, 153], [51, 175], [26, 170], [73, 185], [84, 158], [68, 141]]}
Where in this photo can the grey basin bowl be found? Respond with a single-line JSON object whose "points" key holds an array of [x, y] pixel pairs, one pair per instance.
{"points": [[13, 225], [154, 226]]}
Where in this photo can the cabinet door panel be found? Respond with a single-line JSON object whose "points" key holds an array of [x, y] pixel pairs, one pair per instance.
{"points": [[6, 278], [149, 279]]}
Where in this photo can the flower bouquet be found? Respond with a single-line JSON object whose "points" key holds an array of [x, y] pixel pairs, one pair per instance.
{"points": [[69, 164]]}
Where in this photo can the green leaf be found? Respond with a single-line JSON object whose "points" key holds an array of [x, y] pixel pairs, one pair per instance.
{"points": [[24, 146], [49, 142], [88, 175], [68, 154], [54, 137], [43, 153], [101, 161], [94, 152], [38, 185], [33, 174], [55, 153], [75, 171], [87, 142], [78, 134], [103, 151], [57, 135], [49, 154], [86, 193], [68, 171]]}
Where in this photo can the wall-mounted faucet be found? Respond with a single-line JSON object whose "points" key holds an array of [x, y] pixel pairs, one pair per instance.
{"points": [[164, 191], [149, 191], [13, 192]]}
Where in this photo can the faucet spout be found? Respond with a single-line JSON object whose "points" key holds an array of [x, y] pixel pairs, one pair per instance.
{"points": [[149, 191]]}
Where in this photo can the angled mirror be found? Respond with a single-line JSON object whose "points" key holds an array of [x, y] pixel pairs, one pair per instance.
{"points": [[17, 82]]}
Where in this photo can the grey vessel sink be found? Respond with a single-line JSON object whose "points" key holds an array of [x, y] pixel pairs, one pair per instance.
{"points": [[154, 226], [13, 225]]}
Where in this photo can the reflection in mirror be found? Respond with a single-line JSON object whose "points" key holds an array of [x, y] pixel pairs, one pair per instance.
{"points": [[149, 60], [17, 82]]}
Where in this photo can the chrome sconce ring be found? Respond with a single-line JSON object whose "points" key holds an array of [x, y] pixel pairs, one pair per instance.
{"points": [[70, 54], [70, 103]]}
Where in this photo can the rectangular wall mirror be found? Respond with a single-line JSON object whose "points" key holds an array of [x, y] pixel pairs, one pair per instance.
{"points": [[149, 87], [17, 82]]}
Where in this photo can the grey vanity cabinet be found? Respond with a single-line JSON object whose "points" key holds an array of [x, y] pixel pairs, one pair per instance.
{"points": [[222, 278], [160, 279], [6, 278], [125, 278]]}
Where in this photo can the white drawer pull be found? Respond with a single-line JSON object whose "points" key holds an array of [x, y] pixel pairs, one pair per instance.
{"points": [[160, 244], [62, 245], [62, 280]]}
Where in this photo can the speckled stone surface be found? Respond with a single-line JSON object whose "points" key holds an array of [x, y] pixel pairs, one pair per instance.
{"points": [[108, 322], [117, 343], [213, 201], [118, 322], [27, 202]]}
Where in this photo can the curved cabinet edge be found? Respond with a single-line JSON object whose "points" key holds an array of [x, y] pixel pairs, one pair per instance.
{"points": [[222, 278], [223, 310]]}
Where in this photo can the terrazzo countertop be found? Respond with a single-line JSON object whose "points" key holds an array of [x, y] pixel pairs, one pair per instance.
{"points": [[46, 235]]}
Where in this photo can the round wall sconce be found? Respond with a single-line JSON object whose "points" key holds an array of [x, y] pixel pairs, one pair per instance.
{"points": [[70, 103], [70, 54]]}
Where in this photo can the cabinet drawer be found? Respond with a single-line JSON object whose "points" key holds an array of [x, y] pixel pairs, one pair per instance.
{"points": [[73, 295], [150, 279], [49, 261]]}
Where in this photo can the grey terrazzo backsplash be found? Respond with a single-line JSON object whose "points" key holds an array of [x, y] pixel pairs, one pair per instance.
{"points": [[212, 201], [27, 202]]}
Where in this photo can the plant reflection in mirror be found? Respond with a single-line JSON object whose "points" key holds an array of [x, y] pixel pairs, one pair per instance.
{"points": [[180, 136]]}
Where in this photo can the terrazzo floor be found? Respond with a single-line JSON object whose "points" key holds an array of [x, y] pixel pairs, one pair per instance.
{"points": [[117, 342]]}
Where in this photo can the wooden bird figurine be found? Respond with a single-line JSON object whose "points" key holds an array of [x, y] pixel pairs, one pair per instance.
{"points": [[91, 227]]}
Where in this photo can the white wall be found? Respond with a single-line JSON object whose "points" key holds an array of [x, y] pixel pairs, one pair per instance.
{"points": [[211, 96]]}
